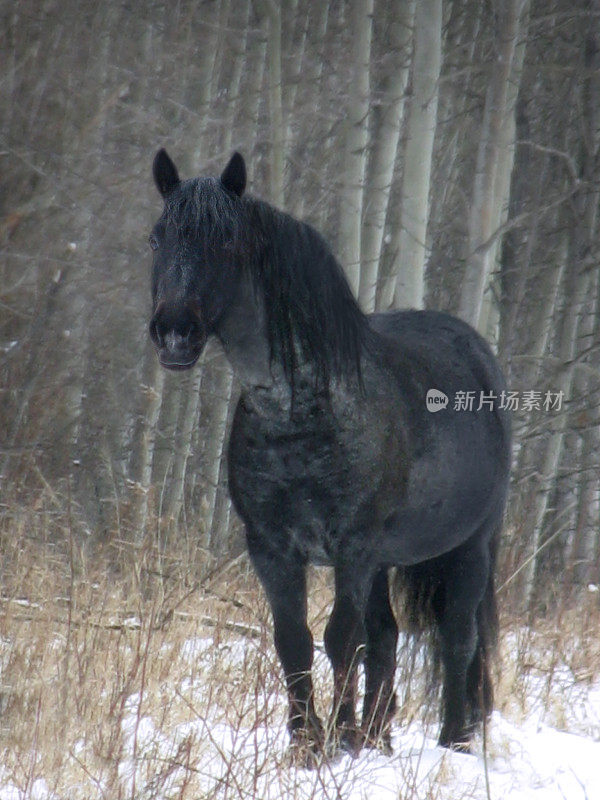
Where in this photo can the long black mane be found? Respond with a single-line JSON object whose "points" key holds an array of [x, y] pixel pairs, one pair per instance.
{"points": [[307, 297], [311, 314]]}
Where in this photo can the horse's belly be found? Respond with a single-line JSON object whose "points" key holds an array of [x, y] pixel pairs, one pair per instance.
{"points": [[444, 505]]}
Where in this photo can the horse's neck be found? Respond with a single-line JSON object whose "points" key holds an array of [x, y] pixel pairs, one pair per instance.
{"points": [[242, 333]]}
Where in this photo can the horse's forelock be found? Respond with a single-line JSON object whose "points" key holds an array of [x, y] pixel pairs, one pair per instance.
{"points": [[200, 208]]}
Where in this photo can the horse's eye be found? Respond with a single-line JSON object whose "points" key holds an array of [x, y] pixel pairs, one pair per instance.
{"points": [[153, 241]]}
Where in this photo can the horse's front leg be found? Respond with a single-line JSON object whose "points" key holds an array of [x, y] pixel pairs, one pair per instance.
{"points": [[284, 581], [345, 637], [380, 666]]}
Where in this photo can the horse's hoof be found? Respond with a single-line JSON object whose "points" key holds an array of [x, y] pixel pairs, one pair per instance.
{"points": [[456, 746], [351, 745], [303, 757], [346, 740], [306, 750]]}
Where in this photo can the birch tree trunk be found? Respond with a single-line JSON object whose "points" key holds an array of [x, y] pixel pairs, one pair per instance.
{"points": [[483, 211], [514, 281], [256, 61], [142, 452], [95, 446], [490, 311], [294, 79], [585, 539], [272, 9], [387, 122], [543, 319], [405, 285], [306, 144], [450, 166], [238, 48], [355, 143], [214, 447], [183, 445], [584, 548], [218, 513], [576, 286], [221, 52], [201, 77]]}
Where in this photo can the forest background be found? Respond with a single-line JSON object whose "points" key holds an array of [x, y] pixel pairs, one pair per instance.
{"points": [[449, 152]]}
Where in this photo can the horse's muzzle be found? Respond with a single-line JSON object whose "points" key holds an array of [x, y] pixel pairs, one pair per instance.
{"points": [[175, 350], [176, 364]]}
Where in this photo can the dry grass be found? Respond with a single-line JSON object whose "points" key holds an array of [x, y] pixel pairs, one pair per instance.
{"points": [[549, 667], [103, 668], [145, 682]]}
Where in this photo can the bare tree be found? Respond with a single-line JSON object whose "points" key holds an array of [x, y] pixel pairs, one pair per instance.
{"points": [[405, 285], [493, 162], [355, 141], [384, 138]]}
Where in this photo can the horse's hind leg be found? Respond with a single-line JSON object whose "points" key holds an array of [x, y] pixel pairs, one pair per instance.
{"points": [[465, 576], [480, 694], [380, 665], [284, 581]]}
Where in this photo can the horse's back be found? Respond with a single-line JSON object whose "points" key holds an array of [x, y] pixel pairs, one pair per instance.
{"points": [[438, 337], [450, 354]]}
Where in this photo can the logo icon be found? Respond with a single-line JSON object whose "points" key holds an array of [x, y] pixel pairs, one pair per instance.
{"points": [[435, 400]]}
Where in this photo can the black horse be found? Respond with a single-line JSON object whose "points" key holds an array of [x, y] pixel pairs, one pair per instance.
{"points": [[334, 455]]}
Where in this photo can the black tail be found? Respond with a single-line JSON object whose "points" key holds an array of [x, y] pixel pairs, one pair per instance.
{"points": [[418, 599]]}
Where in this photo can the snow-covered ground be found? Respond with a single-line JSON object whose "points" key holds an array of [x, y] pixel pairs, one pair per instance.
{"points": [[203, 755], [526, 762]]}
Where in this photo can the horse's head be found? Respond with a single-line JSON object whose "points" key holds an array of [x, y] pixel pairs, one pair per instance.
{"points": [[195, 247]]}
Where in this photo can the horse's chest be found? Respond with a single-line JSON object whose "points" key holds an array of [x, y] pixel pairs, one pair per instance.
{"points": [[305, 482], [301, 470]]}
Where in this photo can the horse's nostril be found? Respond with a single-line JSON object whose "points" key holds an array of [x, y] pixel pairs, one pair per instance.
{"points": [[173, 329], [155, 333], [174, 341]]}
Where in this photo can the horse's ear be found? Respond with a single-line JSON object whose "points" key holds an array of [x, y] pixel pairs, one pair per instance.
{"points": [[165, 173], [234, 175]]}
